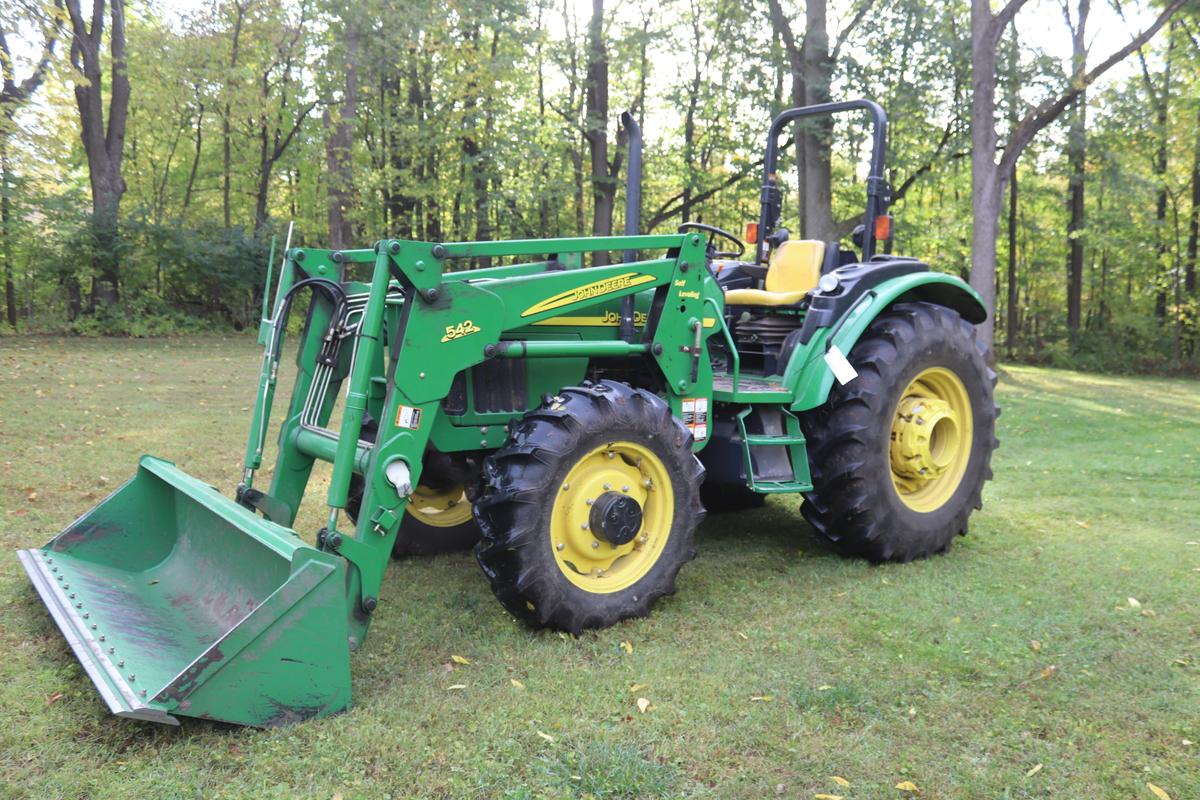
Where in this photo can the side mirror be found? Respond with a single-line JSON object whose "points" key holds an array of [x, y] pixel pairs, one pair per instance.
{"points": [[858, 234]]}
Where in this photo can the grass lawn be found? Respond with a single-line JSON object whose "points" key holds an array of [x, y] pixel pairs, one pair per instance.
{"points": [[1015, 666]]}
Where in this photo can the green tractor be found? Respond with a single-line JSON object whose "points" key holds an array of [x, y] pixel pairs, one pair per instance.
{"points": [[566, 412]]}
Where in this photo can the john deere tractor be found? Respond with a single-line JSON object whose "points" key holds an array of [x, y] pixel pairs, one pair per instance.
{"points": [[565, 411]]}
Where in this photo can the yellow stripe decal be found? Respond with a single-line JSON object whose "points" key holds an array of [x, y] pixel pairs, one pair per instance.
{"points": [[610, 320], [589, 291]]}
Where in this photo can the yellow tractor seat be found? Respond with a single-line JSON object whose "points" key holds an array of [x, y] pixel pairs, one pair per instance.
{"points": [[793, 272]]}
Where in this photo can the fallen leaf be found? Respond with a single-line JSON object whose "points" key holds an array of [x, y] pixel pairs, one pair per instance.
{"points": [[1159, 793], [744, 636], [1036, 769], [761, 698], [1049, 671], [1149, 612], [1186, 742], [1082, 523], [460, 660], [907, 786], [637, 687], [824, 688], [31, 496], [643, 705], [1035, 645], [827, 797], [456, 686], [516, 683], [1133, 602], [839, 780], [627, 646], [54, 698], [546, 736]]}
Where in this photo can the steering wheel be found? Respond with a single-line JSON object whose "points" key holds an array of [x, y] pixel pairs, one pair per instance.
{"points": [[715, 232]]}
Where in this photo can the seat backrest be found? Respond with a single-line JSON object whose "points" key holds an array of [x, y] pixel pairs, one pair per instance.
{"points": [[795, 266]]}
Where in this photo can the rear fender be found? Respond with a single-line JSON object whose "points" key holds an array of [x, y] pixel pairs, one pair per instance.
{"points": [[807, 370]]}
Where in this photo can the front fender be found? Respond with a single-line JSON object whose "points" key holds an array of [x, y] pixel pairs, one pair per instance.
{"points": [[807, 369]]}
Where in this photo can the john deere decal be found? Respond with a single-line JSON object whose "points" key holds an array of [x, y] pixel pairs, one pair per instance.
{"points": [[589, 291]]}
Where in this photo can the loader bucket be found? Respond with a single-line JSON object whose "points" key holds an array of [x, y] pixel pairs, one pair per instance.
{"points": [[179, 601]]}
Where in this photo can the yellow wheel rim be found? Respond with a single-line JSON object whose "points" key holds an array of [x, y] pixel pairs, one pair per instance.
{"points": [[930, 446], [585, 556], [440, 508]]}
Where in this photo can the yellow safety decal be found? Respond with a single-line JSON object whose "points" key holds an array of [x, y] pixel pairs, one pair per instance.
{"points": [[589, 291], [464, 328]]}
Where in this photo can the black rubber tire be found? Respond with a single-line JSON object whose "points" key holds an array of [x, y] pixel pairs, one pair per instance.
{"points": [[854, 505], [726, 498], [522, 480]]}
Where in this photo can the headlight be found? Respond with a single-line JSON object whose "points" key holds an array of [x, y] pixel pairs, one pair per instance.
{"points": [[828, 283]]}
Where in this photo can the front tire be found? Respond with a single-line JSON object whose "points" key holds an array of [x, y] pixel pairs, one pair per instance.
{"points": [[590, 508], [899, 455]]}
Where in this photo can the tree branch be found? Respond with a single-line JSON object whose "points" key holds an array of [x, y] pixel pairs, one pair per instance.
{"points": [[1005, 16], [1049, 109], [844, 34]]}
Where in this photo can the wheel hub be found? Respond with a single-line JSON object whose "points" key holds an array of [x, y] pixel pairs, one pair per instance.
{"points": [[611, 517], [616, 518], [931, 437], [924, 438]]}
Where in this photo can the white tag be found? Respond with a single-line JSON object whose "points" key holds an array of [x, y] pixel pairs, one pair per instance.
{"points": [[842, 369]]}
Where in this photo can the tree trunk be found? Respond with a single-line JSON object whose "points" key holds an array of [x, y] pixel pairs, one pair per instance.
{"points": [[1194, 221], [1076, 164], [1161, 164], [818, 133], [604, 187], [199, 140], [10, 287], [103, 146], [986, 186], [1010, 336], [338, 152]]}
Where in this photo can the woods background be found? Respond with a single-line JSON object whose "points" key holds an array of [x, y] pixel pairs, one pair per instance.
{"points": [[1049, 151]]}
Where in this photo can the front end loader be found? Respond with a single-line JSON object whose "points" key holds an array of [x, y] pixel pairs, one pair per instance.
{"points": [[563, 410]]}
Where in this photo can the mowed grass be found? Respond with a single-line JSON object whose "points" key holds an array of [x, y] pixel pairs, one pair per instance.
{"points": [[1015, 666]]}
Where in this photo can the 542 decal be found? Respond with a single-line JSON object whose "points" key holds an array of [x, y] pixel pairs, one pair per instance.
{"points": [[464, 328]]}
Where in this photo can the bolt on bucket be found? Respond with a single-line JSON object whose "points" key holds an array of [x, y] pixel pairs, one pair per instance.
{"points": [[179, 601]]}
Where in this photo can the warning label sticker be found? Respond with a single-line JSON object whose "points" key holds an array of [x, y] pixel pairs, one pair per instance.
{"points": [[695, 417], [408, 417]]}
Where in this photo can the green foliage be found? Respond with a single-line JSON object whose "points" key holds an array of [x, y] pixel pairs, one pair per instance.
{"points": [[469, 121]]}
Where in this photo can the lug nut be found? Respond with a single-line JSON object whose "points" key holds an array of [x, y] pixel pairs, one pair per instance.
{"points": [[595, 544], [607, 486], [590, 501], [584, 526], [625, 488], [559, 546]]}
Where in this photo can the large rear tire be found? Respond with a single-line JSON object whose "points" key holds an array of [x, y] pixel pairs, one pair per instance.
{"points": [[590, 508], [899, 455]]}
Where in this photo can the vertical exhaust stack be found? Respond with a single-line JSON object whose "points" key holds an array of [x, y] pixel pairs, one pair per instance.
{"points": [[633, 212]]}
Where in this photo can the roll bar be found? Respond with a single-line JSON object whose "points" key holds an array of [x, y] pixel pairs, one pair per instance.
{"points": [[878, 192]]}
